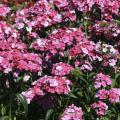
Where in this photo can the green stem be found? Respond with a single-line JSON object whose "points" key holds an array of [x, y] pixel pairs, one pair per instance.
{"points": [[10, 100], [10, 108]]}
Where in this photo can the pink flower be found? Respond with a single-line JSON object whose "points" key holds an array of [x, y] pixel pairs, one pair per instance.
{"points": [[61, 69], [86, 67], [102, 80], [4, 10], [100, 107], [50, 84], [53, 84], [31, 93], [83, 48], [72, 112], [103, 94], [114, 95]]}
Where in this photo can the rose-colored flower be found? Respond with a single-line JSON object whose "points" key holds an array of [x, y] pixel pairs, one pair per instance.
{"points": [[61, 69], [4, 10], [102, 80], [100, 107], [72, 112]]}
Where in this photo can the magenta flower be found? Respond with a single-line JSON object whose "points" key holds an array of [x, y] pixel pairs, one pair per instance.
{"points": [[4, 10], [100, 108], [61, 69], [103, 94], [114, 95], [72, 112], [102, 80], [86, 67], [47, 84]]}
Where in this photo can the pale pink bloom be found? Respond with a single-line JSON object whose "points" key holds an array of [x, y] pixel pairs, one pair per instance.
{"points": [[72, 112], [4, 10], [102, 80], [61, 69]]}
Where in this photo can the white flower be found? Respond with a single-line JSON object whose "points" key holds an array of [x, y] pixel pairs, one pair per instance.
{"points": [[26, 78], [20, 26], [39, 73], [21, 12], [104, 50], [7, 30], [99, 58], [29, 29], [112, 62], [46, 24], [115, 34], [85, 50], [118, 31], [112, 50], [72, 11], [59, 68], [7, 70], [53, 83], [68, 31], [55, 31], [15, 35], [74, 29], [40, 42]]}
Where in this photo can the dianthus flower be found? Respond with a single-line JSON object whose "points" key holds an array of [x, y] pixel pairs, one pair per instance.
{"points": [[48, 84], [114, 95], [103, 94], [109, 30], [54, 84], [72, 112], [86, 67], [14, 59], [104, 5], [31, 93], [102, 80], [59, 40], [4, 10], [65, 8], [100, 108], [83, 48], [61, 69], [29, 62], [41, 14]]}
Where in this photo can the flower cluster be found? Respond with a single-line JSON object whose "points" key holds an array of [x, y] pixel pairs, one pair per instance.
{"points": [[4, 10], [113, 95], [58, 53], [14, 60], [50, 84], [61, 69], [107, 29], [105, 5], [107, 53], [42, 16], [102, 80], [59, 40], [100, 107], [72, 112]]}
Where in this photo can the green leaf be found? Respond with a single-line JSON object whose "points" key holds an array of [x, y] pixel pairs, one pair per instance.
{"points": [[48, 114], [72, 95], [118, 118], [91, 75], [4, 118], [23, 101], [76, 72]]}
